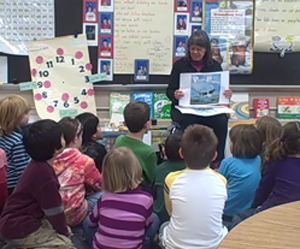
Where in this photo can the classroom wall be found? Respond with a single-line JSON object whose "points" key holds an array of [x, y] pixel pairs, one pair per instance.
{"points": [[102, 95]]}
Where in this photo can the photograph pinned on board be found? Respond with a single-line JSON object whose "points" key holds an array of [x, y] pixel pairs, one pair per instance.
{"points": [[141, 70], [91, 32], [106, 66], [90, 12], [180, 43], [181, 5], [106, 22], [194, 28], [240, 51], [219, 50], [106, 6], [181, 24], [196, 11], [105, 46]]}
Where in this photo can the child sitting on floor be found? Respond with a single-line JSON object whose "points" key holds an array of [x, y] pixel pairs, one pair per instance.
{"points": [[242, 170], [137, 119], [280, 179], [174, 163], [76, 172], [269, 129], [195, 197], [91, 133], [280, 182], [34, 214], [14, 113], [123, 215]]}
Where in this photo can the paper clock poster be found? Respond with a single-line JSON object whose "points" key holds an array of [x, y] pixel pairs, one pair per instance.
{"points": [[61, 69]]}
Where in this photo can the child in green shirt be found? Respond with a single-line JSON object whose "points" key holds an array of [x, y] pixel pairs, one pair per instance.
{"points": [[137, 119], [174, 163]]}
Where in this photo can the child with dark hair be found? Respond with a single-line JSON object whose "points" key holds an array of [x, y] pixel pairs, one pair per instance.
{"points": [[280, 179], [174, 163], [34, 214], [137, 119], [195, 197], [76, 173], [242, 170], [91, 133]]}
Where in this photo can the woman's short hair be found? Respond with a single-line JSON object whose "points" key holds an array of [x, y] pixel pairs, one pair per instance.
{"points": [[200, 39], [246, 141], [12, 110], [121, 170]]}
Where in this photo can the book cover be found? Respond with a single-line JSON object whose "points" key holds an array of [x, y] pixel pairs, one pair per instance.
{"points": [[117, 102], [261, 107], [145, 97], [286, 107], [161, 106]]}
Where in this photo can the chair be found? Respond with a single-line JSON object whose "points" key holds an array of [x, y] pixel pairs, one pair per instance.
{"points": [[174, 128]]}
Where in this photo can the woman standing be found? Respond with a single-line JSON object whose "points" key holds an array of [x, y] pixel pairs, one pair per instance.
{"points": [[198, 59]]}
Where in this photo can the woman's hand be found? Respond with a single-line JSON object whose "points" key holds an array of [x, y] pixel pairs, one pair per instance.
{"points": [[179, 94], [228, 93]]}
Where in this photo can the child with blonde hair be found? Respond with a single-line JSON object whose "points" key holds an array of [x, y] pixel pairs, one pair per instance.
{"points": [[242, 170], [123, 215], [269, 129], [14, 113], [76, 173]]}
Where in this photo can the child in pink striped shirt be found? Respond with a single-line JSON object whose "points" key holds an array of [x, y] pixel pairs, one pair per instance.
{"points": [[123, 215]]}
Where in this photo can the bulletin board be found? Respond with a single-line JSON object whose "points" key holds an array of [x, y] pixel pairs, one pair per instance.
{"points": [[267, 68]]}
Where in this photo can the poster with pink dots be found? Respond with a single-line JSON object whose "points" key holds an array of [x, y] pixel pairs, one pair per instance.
{"points": [[61, 69]]}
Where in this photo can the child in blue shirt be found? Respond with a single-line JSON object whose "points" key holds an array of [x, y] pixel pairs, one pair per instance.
{"points": [[242, 171]]}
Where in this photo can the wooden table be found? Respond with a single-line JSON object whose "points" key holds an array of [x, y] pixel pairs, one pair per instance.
{"points": [[275, 228]]}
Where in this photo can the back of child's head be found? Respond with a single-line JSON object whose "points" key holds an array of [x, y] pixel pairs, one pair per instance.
{"points": [[72, 129], [43, 139], [13, 112], [95, 151], [286, 145], [269, 129], [136, 116], [90, 124], [198, 146], [121, 170], [246, 141], [172, 147]]}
